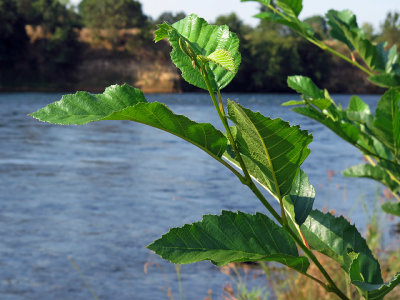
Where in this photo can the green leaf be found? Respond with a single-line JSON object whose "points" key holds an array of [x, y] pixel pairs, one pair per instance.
{"points": [[370, 291], [374, 172], [304, 85], [294, 102], [392, 208], [264, 2], [336, 238], [298, 204], [290, 7], [344, 28], [353, 125], [387, 120], [272, 146], [223, 59], [341, 22], [393, 60], [358, 110], [300, 200], [310, 92], [292, 23], [230, 237], [83, 107], [127, 103], [345, 130], [385, 80], [203, 40]]}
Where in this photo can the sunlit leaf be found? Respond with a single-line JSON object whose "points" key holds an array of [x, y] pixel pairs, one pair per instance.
{"points": [[202, 39], [223, 59], [127, 103], [230, 237]]}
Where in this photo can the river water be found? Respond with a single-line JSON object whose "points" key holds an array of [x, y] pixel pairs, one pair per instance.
{"points": [[98, 194]]}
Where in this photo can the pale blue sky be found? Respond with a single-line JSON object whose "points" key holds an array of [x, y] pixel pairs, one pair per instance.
{"points": [[373, 11]]}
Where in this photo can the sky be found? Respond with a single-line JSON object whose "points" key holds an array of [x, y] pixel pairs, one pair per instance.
{"points": [[372, 11]]}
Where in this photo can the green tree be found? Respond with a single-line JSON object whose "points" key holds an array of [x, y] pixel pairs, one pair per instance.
{"points": [[318, 24], [368, 29], [235, 24], [59, 50], [169, 17], [390, 29], [111, 14]]}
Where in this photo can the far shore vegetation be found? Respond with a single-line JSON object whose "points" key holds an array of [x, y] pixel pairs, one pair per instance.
{"points": [[50, 45]]}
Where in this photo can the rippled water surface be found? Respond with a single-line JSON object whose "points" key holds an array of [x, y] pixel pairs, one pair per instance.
{"points": [[99, 193]]}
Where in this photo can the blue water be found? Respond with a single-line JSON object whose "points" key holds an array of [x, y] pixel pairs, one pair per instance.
{"points": [[99, 193]]}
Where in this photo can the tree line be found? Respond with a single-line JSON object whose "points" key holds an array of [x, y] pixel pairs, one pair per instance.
{"points": [[43, 41]]}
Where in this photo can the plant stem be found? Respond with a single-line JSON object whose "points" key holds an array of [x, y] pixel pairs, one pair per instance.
{"points": [[246, 180], [331, 287], [224, 121]]}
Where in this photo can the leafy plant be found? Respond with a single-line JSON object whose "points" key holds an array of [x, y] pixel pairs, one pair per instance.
{"points": [[376, 136], [253, 148]]}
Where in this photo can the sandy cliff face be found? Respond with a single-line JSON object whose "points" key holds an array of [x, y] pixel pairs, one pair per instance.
{"points": [[98, 71]]}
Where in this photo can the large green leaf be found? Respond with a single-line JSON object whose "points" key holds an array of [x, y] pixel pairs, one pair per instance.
{"points": [[203, 40], [127, 103], [387, 120], [374, 172], [272, 145], [337, 238], [230, 237], [392, 208], [369, 290], [82, 107]]}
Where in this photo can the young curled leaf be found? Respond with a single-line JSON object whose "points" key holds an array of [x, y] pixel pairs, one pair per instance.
{"points": [[221, 58]]}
